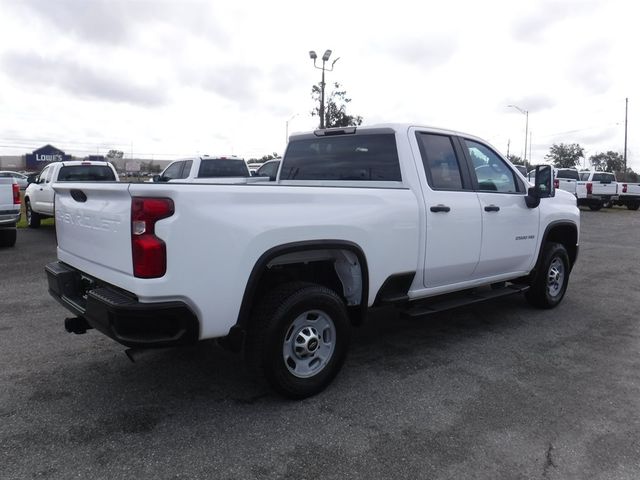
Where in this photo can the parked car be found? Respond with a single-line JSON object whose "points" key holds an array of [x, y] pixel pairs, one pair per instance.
{"points": [[9, 210], [196, 169], [20, 179], [269, 169], [395, 215], [39, 195]]}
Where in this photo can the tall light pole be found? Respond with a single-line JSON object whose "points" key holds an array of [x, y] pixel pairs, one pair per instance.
{"points": [[526, 129], [325, 58], [626, 110]]}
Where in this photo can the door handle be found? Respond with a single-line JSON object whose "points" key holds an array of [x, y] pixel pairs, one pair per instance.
{"points": [[492, 208], [440, 208]]}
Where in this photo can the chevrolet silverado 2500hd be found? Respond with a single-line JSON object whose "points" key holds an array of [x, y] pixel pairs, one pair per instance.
{"points": [[419, 218]]}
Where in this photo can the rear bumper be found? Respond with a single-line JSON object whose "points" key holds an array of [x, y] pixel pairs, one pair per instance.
{"points": [[9, 218], [119, 314]]}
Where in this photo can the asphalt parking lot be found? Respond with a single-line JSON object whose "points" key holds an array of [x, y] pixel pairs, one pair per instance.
{"points": [[496, 391]]}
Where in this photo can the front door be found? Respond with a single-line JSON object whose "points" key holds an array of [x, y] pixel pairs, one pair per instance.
{"points": [[509, 227]]}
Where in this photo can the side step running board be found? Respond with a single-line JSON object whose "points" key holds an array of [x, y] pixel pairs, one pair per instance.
{"points": [[420, 308]]}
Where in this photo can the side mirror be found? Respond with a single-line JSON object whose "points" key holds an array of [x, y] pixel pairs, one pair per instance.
{"points": [[253, 173], [157, 178], [543, 186]]}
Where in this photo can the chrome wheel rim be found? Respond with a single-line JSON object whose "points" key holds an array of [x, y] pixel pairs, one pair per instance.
{"points": [[309, 343], [555, 277]]}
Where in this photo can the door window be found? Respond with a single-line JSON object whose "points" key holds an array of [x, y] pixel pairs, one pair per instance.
{"points": [[491, 172], [173, 171], [440, 162], [186, 168]]}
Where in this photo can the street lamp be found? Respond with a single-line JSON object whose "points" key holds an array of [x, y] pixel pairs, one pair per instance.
{"points": [[286, 135], [526, 129], [325, 58]]}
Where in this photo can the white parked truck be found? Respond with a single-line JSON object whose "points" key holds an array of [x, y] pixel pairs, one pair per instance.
{"points": [[418, 218], [9, 211], [206, 169], [629, 195], [596, 189], [39, 195]]}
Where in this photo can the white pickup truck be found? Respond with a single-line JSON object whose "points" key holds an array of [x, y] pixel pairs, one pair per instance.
{"points": [[629, 195], [205, 169], [9, 211], [419, 218], [564, 179], [596, 189], [39, 195]]}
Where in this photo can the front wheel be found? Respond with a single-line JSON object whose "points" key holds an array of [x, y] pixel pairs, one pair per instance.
{"points": [[633, 206], [549, 282], [595, 206], [298, 338]]}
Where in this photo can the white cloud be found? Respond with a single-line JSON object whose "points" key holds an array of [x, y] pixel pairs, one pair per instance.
{"points": [[175, 77]]}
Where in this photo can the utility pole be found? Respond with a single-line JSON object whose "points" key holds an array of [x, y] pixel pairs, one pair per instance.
{"points": [[530, 143], [508, 146], [626, 110], [325, 58]]}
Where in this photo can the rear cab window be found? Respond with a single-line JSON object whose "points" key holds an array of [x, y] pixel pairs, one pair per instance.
{"points": [[223, 167], [86, 173], [604, 177], [568, 174], [360, 157]]}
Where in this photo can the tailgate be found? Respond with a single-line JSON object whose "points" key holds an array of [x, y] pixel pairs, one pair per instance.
{"points": [[93, 225], [604, 188], [6, 195]]}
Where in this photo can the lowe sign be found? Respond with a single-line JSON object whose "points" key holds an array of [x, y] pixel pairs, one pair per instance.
{"points": [[44, 156]]}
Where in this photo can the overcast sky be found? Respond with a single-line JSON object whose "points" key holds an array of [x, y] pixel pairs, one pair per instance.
{"points": [[169, 78]]}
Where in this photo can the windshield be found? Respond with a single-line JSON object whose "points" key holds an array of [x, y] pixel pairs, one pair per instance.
{"points": [[86, 173], [223, 167]]}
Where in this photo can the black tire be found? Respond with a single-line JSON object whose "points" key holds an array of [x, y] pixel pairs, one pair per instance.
{"points": [[283, 323], [8, 237], [595, 207], [33, 218], [633, 206], [608, 204], [549, 282]]}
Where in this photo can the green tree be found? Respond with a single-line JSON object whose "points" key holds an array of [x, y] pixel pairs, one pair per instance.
{"points": [[264, 158], [609, 162], [115, 155], [565, 155], [515, 159], [335, 107]]}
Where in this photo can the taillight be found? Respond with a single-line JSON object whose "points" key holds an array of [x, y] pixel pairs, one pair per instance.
{"points": [[16, 194], [149, 252], [624, 188], [556, 183], [589, 188]]}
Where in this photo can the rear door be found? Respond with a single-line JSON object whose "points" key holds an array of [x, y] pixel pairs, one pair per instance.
{"points": [[509, 227], [453, 225]]}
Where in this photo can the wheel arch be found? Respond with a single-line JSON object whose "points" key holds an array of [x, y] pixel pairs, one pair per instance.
{"points": [[261, 267], [563, 232]]}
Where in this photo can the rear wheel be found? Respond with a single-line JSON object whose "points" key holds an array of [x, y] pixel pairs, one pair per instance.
{"points": [[33, 218], [549, 282], [595, 206], [298, 338], [633, 206], [8, 237]]}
